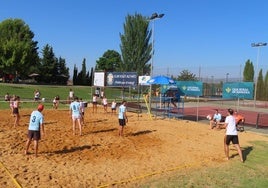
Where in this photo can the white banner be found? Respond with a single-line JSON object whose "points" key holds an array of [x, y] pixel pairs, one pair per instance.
{"points": [[99, 79], [143, 80]]}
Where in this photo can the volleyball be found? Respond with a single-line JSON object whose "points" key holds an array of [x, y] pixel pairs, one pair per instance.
{"points": [[209, 117]]}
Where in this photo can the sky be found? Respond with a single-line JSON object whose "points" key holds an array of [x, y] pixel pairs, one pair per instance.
{"points": [[210, 38]]}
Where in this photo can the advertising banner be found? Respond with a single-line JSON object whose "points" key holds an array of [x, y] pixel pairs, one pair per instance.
{"points": [[99, 79], [122, 79], [143, 80], [242, 90], [191, 88]]}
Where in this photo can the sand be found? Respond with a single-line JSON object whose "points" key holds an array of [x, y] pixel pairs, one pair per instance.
{"points": [[100, 158]]}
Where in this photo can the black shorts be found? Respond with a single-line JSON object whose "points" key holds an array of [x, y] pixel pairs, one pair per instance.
{"points": [[233, 138], [15, 111], [35, 135], [122, 122]]}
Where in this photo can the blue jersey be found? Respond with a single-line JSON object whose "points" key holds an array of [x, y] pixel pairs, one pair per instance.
{"points": [[75, 107], [122, 110], [36, 120]]}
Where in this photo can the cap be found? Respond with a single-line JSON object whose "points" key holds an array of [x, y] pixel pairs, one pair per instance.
{"points": [[40, 107]]}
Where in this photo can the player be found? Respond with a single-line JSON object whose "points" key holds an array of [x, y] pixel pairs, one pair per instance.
{"points": [[122, 116], [16, 105], [75, 112], [113, 107], [104, 103], [231, 135], [36, 127]]}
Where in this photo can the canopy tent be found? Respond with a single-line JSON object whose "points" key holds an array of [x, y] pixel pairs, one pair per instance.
{"points": [[160, 80]]}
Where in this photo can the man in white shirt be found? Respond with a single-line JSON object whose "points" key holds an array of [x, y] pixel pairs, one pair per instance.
{"points": [[122, 117], [231, 135]]}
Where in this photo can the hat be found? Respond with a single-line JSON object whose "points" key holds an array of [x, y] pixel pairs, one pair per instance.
{"points": [[40, 107]]}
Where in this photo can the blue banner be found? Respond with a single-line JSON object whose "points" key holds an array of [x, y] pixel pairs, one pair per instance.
{"points": [[191, 88], [122, 79], [242, 90]]}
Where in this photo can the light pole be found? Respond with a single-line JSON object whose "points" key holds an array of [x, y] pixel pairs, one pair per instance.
{"points": [[153, 18], [227, 74], [212, 85], [259, 45]]}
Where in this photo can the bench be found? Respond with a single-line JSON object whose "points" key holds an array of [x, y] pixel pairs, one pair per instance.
{"points": [[134, 107]]}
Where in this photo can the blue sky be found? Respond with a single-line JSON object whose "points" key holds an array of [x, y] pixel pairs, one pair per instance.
{"points": [[210, 38]]}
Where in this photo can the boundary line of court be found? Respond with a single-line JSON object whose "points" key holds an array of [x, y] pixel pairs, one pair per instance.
{"points": [[9, 174], [150, 174]]}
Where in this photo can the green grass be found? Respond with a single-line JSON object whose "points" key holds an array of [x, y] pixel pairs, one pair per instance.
{"points": [[26, 93], [252, 173]]}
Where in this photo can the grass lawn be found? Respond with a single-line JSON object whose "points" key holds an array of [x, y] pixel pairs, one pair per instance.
{"points": [[252, 173], [26, 93]]}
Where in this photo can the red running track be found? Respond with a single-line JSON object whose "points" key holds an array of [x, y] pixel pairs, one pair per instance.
{"points": [[250, 116]]}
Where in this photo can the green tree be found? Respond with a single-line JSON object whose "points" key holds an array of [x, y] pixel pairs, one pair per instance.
{"points": [[91, 76], [83, 75], [48, 69], [62, 72], [186, 75], [18, 50], [75, 71], [248, 74], [260, 87], [136, 48], [109, 62], [266, 86]]}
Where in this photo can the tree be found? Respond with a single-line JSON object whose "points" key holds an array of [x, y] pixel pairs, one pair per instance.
{"points": [[186, 75], [18, 50], [91, 76], [266, 86], [109, 62], [260, 87], [83, 75], [48, 69], [63, 72], [248, 74], [75, 75], [136, 48]]}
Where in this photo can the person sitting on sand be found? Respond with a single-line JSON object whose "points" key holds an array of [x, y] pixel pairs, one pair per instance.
{"points": [[214, 122]]}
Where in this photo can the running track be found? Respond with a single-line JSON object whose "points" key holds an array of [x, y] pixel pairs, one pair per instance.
{"points": [[250, 116]]}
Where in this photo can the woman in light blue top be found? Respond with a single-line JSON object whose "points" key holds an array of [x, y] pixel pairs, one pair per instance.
{"points": [[75, 111], [36, 126]]}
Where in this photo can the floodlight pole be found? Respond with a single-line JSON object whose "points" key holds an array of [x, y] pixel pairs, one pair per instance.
{"points": [[153, 18], [227, 74], [258, 45]]}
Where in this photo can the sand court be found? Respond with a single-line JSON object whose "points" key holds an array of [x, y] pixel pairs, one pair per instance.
{"points": [[99, 158]]}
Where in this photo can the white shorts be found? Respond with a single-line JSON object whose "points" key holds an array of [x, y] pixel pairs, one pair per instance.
{"points": [[75, 117]]}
